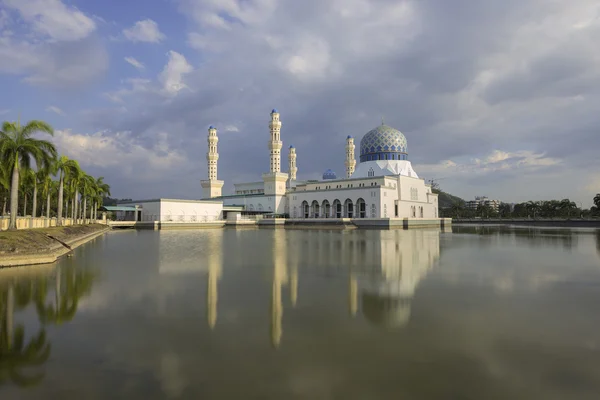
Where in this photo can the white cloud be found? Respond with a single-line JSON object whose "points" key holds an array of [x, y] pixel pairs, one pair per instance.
{"points": [[496, 161], [232, 128], [53, 18], [172, 75], [4, 19], [109, 150], [144, 31], [135, 62], [4, 111], [55, 110]]}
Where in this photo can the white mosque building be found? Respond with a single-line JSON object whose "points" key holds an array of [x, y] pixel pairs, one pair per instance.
{"points": [[382, 189], [383, 185]]}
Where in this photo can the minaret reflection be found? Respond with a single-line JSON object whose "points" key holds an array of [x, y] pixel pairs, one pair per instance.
{"points": [[353, 294], [279, 279], [406, 258], [215, 268]]}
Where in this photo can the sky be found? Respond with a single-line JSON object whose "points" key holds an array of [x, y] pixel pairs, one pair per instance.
{"points": [[495, 98]]}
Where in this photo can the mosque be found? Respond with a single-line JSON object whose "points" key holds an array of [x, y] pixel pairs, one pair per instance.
{"points": [[383, 185], [383, 189]]}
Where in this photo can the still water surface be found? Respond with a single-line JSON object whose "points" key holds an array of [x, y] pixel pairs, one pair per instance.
{"points": [[477, 313]]}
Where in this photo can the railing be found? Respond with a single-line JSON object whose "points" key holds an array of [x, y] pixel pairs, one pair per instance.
{"points": [[43, 222]]}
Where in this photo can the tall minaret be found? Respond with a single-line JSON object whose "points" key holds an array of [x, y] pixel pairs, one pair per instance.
{"points": [[275, 142], [350, 160], [212, 187], [292, 160], [275, 180]]}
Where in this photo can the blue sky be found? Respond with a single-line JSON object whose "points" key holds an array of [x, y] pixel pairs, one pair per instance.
{"points": [[497, 98]]}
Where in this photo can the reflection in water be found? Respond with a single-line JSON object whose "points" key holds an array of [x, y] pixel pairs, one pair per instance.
{"points": [[215, 268], [19, 288], [387, 292], [279, 279]]}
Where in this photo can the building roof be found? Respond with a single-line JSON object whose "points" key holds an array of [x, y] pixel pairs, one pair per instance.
{"points": [[117, 208]]}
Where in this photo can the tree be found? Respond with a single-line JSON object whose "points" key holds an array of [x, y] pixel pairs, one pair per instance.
{"points": [[4, 183], [597, 201], [64, 167], [103, 190], [18, 147]]}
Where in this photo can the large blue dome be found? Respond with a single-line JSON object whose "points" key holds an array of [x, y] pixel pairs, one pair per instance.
{"points": [[383, 143], [329, 174]]}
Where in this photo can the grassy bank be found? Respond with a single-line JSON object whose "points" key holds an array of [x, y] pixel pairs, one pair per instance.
{"points": [[35, 246]]}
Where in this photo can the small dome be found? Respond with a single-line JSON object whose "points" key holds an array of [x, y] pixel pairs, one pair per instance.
{"points": [[211, 127], [291, 146], [383, 143], [349, 137], [329, 174], [274, 111]]}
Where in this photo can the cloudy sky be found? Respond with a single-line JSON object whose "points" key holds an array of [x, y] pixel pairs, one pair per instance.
{"points": [[498, 98]]}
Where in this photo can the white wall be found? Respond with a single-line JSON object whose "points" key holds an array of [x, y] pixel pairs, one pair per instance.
{"points": [[190, 211], [249, 187]]}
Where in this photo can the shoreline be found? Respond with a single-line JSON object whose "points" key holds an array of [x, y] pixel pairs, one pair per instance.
{"points": [[46, 245], [556, 223]]}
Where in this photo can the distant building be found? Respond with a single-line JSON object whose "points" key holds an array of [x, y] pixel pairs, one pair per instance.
{"points": [[483, 201]]}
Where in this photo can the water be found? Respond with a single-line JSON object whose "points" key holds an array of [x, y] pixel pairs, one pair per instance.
{"points": [[478, 313]]}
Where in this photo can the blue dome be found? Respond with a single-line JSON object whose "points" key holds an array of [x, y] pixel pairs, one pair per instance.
{"points": [[383, 143], [329, 174], [349, 137], [274, 111], [211, 127], [291, 146]]}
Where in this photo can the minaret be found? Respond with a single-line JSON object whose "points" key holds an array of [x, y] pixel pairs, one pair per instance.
{"points": [[212, 187], [275, 142], [275, 180], [292, 166], [350, 160]]}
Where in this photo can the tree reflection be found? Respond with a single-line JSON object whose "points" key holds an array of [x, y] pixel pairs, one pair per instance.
{"points": [[20, 353]]}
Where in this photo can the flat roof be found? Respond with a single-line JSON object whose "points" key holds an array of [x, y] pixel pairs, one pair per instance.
{"points": [[117, 208]]}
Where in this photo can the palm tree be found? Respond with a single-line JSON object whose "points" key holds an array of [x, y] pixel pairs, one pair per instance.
{"points": [[73, 180], [27, 184], [45, 182], [64, 167], [87, 186], [103, 191], [17, 147], [4, 183]]}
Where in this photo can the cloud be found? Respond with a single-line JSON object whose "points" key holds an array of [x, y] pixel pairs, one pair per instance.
{"points": [[144, 31], [4, 111], [231, 128], [135, 62], [53, 19], [121, 153], [172, 75], [55, 110]]}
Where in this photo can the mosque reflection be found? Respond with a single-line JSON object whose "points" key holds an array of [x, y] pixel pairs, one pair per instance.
{"points": [[23, 353], [383, 270]]}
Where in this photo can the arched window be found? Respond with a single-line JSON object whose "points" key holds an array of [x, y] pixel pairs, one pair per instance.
{"points": [[421, 212], [371, 172], [361, 208]]}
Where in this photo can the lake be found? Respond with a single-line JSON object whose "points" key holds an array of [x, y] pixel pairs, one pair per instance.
{"points": [[469, 313]]}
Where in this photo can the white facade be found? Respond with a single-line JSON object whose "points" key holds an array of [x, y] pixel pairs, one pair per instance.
{"points": [[383, 185], [171, 210]]}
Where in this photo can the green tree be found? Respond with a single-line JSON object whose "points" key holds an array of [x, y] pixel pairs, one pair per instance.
{"points": [[18, 147], [64, 167], [597, 201], [103, 190]]}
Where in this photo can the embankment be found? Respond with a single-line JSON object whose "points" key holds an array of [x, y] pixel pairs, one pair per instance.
{"points": [[46, 245]]}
